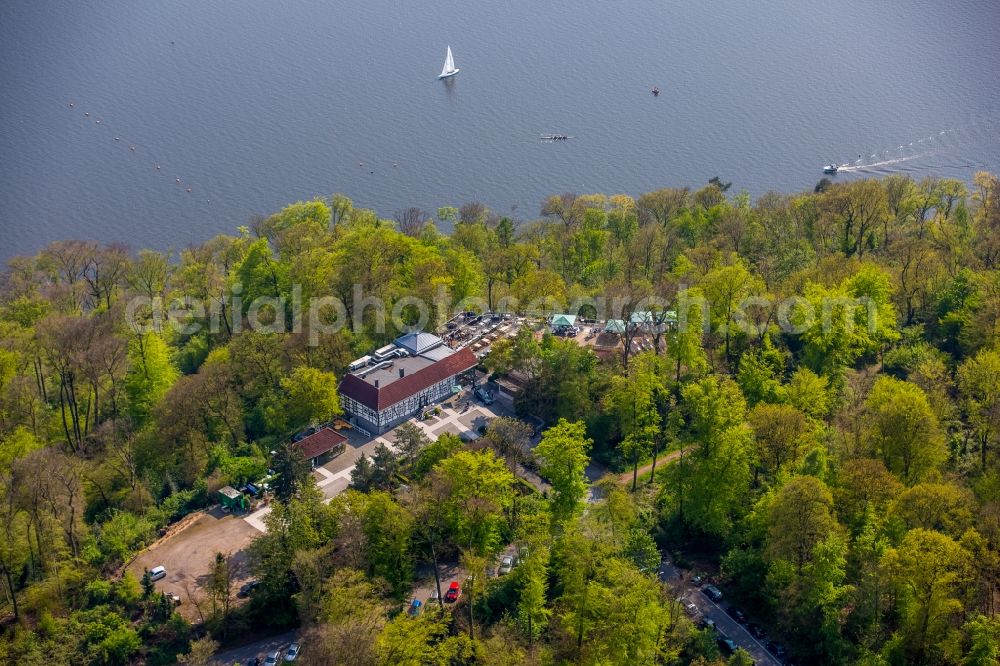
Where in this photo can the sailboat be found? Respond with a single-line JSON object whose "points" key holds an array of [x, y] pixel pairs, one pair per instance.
{"points": [[449, 68]]}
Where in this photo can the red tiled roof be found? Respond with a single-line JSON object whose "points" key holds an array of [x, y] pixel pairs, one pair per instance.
{"points": [[319, 443], [379, 398]]}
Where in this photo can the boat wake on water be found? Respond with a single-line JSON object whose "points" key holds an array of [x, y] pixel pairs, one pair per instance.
{"points": [[888, 158], [845, 168], [958, 144]]}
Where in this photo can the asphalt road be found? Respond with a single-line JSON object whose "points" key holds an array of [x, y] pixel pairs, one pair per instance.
{"points": [[259, 648], [724, 624]]}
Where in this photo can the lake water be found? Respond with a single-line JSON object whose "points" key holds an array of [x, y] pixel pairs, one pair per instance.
{"points": [[255, 103]]}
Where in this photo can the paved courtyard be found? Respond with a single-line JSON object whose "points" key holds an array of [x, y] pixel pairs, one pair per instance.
{"points": [[461, 415]]}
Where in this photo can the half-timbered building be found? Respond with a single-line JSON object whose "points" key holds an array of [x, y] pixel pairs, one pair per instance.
{"points": [[420, 371]]}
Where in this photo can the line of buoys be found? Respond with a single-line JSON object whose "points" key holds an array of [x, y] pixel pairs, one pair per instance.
{"points": [[132, 148]]}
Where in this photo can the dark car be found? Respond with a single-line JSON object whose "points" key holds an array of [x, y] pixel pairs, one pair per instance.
{"points": [[253, 661], [484, 396], [697, 580], [454, 592], [737, 614], [755, 630], [247, 588], [712, 592], [707, 623], [777, 649], [726, 644]]}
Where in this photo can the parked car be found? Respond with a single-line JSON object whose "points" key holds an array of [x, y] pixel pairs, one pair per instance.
{"points": [[156, 573], [777, 649], [292, 653], [253, 661], [737, 614], [712, 592], [697, 580], [175, 598], [415, 606], [707, 623], [506, 564], [689, 606], [484, 396], [726, 644], [272, 658], [454, 592], [247, 588], [755, 630]]}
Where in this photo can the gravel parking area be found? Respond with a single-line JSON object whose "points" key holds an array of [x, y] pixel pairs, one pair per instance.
{"points": [[188, 555]]}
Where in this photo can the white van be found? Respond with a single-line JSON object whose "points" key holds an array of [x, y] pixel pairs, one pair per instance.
{"points": [[156, 573]]}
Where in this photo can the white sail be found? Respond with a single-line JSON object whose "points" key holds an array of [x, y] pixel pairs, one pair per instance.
{"points": [[449, 68]]}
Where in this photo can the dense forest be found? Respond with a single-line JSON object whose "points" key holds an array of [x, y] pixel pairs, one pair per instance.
{"points": [[827, 421]]}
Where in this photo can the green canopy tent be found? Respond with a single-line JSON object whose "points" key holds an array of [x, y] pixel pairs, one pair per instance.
{"points": [[562, 320], [615, 326]]}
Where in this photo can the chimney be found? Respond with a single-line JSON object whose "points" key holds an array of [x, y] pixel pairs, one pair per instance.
{"points": [[376, 383], [402, 372]]}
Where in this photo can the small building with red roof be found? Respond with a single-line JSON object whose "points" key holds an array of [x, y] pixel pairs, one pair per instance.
{"points": [[320, 446]]}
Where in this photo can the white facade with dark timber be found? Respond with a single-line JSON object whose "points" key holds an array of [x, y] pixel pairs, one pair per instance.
{"points": [[396, 384]]}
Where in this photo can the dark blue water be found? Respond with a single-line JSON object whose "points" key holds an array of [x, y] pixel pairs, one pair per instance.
{"points": [[253, 104]]}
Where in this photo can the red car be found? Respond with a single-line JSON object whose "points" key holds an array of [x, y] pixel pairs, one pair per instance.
{"points": [[454, 592]]}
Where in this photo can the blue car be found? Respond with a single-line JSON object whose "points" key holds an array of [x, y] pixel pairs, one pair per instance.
{"points": [[727, 645], [415, 607], [712, 592]]}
